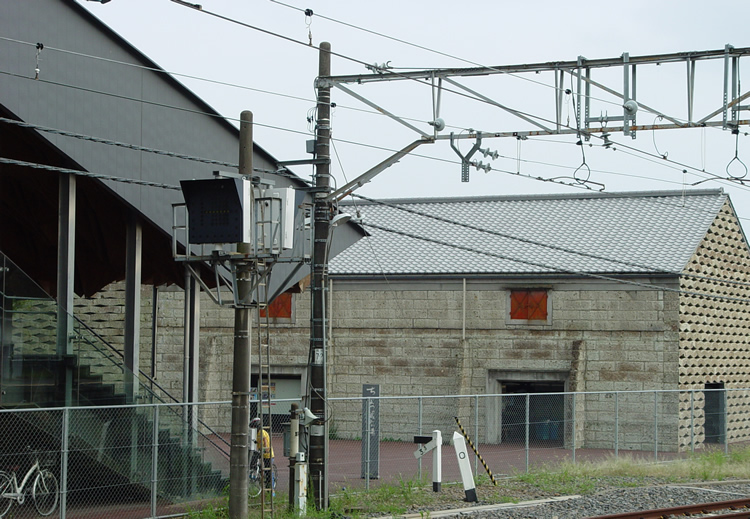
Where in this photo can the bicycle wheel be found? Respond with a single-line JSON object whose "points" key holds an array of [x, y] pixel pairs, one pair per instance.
{"points": [[254, 484], [6, 487], [45, 492]]}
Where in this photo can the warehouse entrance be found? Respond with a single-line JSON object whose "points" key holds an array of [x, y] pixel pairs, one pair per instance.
{"points": [[527, 406]]}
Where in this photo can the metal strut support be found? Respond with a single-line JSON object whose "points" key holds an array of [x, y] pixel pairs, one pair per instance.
{"points": [[465, 162]]}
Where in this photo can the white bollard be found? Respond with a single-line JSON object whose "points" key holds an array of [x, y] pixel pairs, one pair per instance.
{"points": [[470, 491], [436, 446], [437, 460]]}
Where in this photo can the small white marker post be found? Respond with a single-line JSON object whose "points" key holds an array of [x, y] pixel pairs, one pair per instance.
{"points": [[459, 444], [436, 446]]}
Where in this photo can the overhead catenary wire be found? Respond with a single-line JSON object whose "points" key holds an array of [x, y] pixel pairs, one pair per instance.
{"points": [[460, 93], [554, 180], [339, 55], [655, 159], [344, 56], [105, 141], [473, 63], [4, 160], [158, 70], [214, 162], [214, 115], [148, 183], [428, 49]]}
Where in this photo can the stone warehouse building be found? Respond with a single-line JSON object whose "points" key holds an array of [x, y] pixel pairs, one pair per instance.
{"points": [[574, 293], [523, 294]]}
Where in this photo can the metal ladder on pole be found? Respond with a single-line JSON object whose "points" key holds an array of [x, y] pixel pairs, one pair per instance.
{"points": [[264, 386]]}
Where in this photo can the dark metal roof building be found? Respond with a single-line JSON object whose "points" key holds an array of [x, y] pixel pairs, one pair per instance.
{"points": [[63, 69]]}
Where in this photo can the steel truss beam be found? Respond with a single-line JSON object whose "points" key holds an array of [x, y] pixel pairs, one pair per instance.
{"points": [[581, 70]]}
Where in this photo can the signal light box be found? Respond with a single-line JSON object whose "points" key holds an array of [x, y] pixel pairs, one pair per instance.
{"points": [[218, 210]]}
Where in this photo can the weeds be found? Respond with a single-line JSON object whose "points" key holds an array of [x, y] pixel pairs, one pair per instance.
{"points": [[414, 495]]}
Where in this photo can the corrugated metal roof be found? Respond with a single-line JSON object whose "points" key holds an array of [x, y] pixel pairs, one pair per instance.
{"points": [[634, 232]]}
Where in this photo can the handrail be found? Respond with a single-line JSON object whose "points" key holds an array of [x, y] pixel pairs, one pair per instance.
{"points": [[141, 375], [155, 383]]}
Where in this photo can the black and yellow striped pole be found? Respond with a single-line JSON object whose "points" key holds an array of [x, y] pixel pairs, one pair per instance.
{"points": [[473, 448]]}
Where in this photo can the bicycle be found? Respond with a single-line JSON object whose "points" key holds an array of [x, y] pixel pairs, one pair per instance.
{"points": [[255, 477], [45, 491]]}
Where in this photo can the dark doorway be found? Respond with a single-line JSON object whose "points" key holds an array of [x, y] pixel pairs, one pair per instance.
{"points": [[526, 411], [715, 412]]}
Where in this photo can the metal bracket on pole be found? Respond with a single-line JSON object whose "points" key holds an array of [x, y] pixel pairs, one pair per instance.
{"points": [[465, 162], [380, 109], [629, 106], [368, 175], [437, 122]]}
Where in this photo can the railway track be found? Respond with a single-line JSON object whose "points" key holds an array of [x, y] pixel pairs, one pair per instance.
{"points": [[734, 509]]}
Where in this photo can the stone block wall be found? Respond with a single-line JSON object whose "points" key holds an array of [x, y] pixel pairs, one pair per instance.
{"points": [[604, 337], [414, 341]]}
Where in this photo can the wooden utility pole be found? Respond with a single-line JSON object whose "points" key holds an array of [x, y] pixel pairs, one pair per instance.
{"points": [[238, 460], [317, 453]]}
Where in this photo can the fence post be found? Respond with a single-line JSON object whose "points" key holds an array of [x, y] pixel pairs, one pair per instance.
{"points": [[573, 442], [419, 428], [692, 420], [726, 421], [476, 430], [617, 424], [367, 447], [527, 432], [154, 460], [64, 463], [656, 426]]}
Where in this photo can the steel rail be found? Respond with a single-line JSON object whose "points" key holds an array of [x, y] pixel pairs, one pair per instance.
{"points": [[688, 511]]}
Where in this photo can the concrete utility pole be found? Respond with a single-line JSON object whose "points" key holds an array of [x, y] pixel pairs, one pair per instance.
{"points": [[322, 220], [241, 369]]}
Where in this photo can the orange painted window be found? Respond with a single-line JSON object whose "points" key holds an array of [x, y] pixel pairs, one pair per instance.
{"points": [[530, 305], [281, 307]]}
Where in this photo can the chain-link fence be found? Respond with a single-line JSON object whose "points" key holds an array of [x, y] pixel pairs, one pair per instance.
{"points": [[158, 460], [512, 433]]}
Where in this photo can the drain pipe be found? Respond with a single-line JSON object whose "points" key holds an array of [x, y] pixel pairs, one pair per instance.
{"points": [[463, 317]]}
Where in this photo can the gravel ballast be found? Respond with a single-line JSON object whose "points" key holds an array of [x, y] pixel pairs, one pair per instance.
{"points": [[608, 500]]}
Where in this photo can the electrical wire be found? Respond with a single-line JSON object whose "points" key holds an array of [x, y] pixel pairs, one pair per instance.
{"points": [[658, 160], [265, 31], [648, 286], [214, 115], [529, 241], [295, 131], [34, 165], [136, 147], [210, 161], [343, 56], [158, 70], [4, 160], [434, 51], [99, 140]]}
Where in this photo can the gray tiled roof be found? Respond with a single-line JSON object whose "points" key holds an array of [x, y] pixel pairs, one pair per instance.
{"points": [[603, 232]]}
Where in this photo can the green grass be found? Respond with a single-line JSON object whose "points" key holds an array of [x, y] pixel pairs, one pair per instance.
{"points": [[415, 496]]}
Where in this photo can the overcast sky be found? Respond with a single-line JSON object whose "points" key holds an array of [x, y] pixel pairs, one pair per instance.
{"points": [[273, 77]]}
